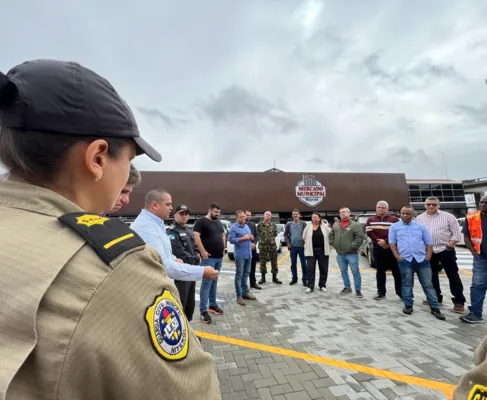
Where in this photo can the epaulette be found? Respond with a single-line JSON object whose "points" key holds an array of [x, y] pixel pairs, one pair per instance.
{"points": [[109, 237]]}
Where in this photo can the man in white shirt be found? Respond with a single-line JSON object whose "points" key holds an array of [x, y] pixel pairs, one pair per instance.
{"points": [[446, 233], [149, 225]]}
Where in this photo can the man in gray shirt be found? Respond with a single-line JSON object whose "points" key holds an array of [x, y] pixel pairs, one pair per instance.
{"points": [[293, 235]]}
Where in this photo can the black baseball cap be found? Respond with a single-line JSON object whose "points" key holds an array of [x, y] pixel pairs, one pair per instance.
{"points": [[64, 97], [181, 207]]}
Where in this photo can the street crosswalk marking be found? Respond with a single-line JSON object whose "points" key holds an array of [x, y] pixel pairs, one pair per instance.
{"points": [[464, 260]]}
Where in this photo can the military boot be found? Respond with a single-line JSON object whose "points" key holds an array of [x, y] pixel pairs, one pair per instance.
{"points": [[275, 280], [262, 280]]}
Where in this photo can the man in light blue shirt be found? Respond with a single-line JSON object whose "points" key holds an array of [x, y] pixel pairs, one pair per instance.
{"points": [[412, 245], [241, 236], [149, 224]]}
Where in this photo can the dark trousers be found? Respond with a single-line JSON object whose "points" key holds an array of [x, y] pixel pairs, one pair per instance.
{"points": [[385, 259], [323, 262], [448, 260], [187, 291], [294, 253], [253, 264]]}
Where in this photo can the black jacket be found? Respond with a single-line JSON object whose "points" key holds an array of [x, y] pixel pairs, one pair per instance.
{"points": [[253, 229], [183, 244]]}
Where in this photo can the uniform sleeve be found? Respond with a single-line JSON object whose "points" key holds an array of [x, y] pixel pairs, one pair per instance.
{"points": [[178, 249], [133, 341]]}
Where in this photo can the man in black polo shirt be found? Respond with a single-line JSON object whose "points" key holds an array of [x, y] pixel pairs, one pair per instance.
{"points": [[253, 263]]}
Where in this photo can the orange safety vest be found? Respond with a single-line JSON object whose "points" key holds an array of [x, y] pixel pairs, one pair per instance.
{"points": [[475, 228]]}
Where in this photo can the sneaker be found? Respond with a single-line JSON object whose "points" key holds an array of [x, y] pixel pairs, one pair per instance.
{"points": [[346, 290], [407, 310], [205, 317], [459, 308], [358, 293], [215, 310], [308, 290], [379, 296], [437, 313], [249, 296], [323, 289], [472, 319]]}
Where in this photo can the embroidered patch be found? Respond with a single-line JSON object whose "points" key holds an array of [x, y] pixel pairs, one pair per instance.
{"points": [[91, 219], [168, 327], [478, 392]]}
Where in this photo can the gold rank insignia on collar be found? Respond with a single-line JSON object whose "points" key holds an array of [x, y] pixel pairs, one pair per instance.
{"points": [[168, 327], [109, 237]]}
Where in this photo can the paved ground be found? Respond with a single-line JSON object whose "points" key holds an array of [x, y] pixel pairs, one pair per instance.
{"points": [[292, 345]]}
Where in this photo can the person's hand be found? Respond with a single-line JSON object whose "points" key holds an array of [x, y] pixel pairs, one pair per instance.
{"points": [[205, 255], [253, 246], [381, 242], [210, 273], [399, 259], [289, 247], [251, 237], [451, 243], [178, 260], [428, 258]]}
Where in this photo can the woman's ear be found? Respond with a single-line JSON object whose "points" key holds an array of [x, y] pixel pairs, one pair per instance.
{"points": [[96, 158]]}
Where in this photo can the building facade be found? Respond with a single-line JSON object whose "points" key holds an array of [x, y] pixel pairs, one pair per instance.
{"points": [[450, 193], [276, 191]]}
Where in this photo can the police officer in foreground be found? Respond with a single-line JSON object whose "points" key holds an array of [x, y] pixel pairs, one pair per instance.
{"points": [[184, 247], [87, 311]]}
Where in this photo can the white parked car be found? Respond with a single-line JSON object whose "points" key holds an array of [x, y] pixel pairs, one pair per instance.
{"points": [[280, 233], [231, 247]]}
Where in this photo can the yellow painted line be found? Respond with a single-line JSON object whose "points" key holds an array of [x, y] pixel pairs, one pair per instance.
{"points": [[285, 256], [446, 388]]}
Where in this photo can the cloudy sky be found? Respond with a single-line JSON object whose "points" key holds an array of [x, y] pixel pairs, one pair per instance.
{"points": [[312, 85]]}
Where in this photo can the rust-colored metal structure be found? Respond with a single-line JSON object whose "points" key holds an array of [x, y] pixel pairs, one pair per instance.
{"points": [[278, 192]]}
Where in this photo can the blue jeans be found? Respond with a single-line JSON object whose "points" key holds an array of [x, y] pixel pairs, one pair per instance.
{"points": [[208, 286], [423, 270], [294, 253], [344, 260], [479, 286], [242, 266]]}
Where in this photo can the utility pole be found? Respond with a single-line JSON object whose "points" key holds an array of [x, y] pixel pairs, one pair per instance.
{"points": [[444, 164]]}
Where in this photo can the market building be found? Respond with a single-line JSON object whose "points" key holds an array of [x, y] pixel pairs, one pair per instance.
{"points": [[274, 190]]}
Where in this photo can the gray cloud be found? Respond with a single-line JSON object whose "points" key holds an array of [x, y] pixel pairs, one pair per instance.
{"points": [[475, 114], [316, 160], [155, 113], [238, 107]]}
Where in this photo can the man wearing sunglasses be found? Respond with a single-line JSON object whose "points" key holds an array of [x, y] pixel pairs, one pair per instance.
{"points": [[446, 233]]}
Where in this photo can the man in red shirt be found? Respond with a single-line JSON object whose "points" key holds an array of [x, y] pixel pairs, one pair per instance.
{"points": [[377, 229]]}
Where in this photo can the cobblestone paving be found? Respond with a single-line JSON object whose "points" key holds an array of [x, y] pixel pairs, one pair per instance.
{"points": [[341, 327]]}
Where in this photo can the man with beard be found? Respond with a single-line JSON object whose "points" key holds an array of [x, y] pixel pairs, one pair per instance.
{"points": [[253, 263]]}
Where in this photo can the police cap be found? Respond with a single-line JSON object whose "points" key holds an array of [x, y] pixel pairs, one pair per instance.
{"points": [[181, 207], [64, 97]]}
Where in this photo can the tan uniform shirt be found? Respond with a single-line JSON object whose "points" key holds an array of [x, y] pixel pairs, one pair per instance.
{"points": [[473, 385], [81, 319]]}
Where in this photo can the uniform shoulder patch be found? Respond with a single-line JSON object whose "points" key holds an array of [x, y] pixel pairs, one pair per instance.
{"points": [[109, 237], [478, 392], [168, 327]]}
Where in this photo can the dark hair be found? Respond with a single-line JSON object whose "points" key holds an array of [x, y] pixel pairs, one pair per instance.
{"points": [[214, 206], [315, 213], [296, 210], [134, 176], [247, 210], [38, 157]]}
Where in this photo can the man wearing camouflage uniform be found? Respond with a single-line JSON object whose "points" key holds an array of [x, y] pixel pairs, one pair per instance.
{"points": [[267, 232]]}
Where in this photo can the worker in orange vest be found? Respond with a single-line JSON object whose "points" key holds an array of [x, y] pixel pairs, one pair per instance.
{"points": [[473, 384], [475, 224]]}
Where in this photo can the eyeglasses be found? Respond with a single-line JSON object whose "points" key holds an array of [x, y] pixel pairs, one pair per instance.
{"points": [[431, 205]]}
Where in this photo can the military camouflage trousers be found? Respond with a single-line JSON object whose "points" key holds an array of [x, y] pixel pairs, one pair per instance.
{"points": [[264, 257]]}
